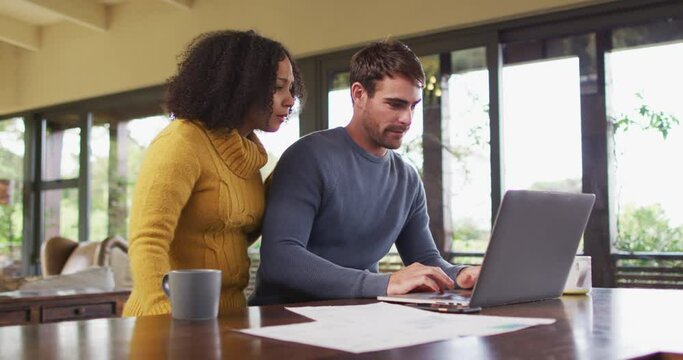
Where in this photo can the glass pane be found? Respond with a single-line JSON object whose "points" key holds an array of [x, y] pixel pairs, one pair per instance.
{"points": [[140, 133], [670, 30], [466, 159], [645, 114], [61, 152], [340, 110], [541, 126], [276, 143], [11, 187], [99, 164], [339, 107], [61, 213]]}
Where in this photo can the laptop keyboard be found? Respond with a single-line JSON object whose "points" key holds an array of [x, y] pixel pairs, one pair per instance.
{"points": [[450, 297]]}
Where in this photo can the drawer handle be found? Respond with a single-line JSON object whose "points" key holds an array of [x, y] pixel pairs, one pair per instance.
{"points": [[79, 311]]}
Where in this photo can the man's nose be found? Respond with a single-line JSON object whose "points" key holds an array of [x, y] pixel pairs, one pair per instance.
{"points": [[406, 117]]}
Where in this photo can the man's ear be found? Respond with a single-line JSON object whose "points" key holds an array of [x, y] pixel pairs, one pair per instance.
{"points": [[358, 94]]}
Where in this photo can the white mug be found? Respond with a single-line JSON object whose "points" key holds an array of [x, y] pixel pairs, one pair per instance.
{"points": [[579, 278]]}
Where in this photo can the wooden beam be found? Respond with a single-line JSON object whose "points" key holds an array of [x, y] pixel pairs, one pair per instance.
{"points": [[84, 179], [19, 33], [180, 4], [86, 13]]}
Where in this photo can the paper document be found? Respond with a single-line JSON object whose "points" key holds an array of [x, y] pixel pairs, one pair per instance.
{"points": [[381, 326]]}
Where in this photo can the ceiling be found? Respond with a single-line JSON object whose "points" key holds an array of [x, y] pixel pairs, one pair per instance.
{"points": [[21, 21]]}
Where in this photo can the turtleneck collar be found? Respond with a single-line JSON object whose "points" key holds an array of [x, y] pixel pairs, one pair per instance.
{"points": [[243, 156]]}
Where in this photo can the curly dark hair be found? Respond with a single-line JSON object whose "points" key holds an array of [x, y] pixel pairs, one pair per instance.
{"points": [[385, 58], [223, 74]]}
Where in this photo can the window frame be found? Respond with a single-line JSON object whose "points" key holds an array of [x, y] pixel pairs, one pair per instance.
{"points": [[317, 71], [129, 104], [598, 19]]}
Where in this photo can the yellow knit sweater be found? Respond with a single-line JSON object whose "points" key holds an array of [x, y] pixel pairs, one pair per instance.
{"points": [[198, 197]]}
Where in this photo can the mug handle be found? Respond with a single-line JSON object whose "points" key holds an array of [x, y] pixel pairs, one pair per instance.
{"points": [[164, 285], [583, 274]]}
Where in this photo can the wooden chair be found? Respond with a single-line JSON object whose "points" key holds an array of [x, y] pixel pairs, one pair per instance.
{"points": [[62, 256]]}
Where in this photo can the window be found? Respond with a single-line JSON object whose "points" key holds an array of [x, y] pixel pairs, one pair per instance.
{"points": [[117, 151], [541, 126], [100, 188], [578, 100], [61, 152], [467, 151], [61, 213], [60, 162], [582, 100], [81, 159], [11, 190], [645, 113], [140, 133], [339, 104], [276, 143]]}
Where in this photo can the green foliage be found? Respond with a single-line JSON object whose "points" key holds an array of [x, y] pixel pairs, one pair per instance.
{"points": [[649, 119], [12, 163], [62, 220], [12, 169], [10, 223], [647, 229], [654, 263], [468, 237], [340, 81], [566, 185], [99, 186], [413, 154], [466, 260], [473, 59]]}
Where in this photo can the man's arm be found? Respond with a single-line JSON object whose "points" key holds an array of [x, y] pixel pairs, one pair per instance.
{"points": [[418, 251], [294, 198]]}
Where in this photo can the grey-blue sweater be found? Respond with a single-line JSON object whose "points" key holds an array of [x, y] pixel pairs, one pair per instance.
{"points": [[333, 211]]}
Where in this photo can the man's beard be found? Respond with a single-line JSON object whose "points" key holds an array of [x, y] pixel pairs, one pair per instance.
{"points": [[376, 136]]}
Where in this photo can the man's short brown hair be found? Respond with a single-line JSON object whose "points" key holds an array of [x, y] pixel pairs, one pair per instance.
{"points": [[385, 58]]}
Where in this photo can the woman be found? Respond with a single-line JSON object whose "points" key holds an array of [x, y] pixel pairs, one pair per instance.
{"points": [[199, 197]]}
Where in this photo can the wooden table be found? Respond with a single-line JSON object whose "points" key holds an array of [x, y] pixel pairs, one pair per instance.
{"points": [[607, 324], [43, 306]]}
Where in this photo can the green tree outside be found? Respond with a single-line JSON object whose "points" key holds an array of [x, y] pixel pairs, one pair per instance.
{"points": [[12, 160], [647, 228]]}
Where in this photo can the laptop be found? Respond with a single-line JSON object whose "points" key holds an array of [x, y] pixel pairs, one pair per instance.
{"points": [[533, 243]]}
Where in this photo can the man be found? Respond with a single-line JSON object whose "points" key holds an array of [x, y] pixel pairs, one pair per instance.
{"points": [[340, 198]]}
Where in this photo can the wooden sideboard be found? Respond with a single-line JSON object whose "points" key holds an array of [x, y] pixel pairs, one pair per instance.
{"points": [[45, 306]]}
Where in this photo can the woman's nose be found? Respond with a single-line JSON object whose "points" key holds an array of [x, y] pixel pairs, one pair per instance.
{"points": [[288, 100]]}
